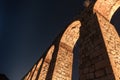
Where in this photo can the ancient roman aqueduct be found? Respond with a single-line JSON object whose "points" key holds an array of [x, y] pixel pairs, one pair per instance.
{"points": [[89, 49]]}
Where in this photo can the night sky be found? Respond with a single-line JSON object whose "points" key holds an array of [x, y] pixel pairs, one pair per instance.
{"points": [[27, 28]]}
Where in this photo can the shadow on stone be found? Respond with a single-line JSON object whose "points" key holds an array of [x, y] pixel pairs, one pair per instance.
{"points": [[90, 51]]}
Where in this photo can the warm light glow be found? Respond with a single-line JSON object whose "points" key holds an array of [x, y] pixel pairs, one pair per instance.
{"points": [[106, 8], [114, 8], [37, 69], [27, 76], [46, 63], [49, 54], [71, 34], [31, 73], [64, 62]]}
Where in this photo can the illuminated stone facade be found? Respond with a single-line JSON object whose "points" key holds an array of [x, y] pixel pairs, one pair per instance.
{"points": [[90, 44]]}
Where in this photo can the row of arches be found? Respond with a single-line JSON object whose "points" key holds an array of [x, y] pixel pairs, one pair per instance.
{"points": [[68, 39]]}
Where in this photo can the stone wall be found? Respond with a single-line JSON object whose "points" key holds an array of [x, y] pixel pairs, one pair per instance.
{"points": [[64, 62], [94, 61], [63, 67], [89, 48], [112, 43], [107, 7], [46, 64]]}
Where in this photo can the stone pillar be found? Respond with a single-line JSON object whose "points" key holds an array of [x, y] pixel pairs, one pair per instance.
{"points": [[46, 64], [64, 62], [112, 43]]}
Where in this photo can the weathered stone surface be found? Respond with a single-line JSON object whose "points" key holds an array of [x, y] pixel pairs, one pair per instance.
{"points": [[112, 43], [107, 7], [95, 41]]}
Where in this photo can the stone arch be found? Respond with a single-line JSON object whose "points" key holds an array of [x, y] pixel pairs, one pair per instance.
{"points": [[115, 20], [26, 78], [30, 74], [64, 61], [114, 9], [49, 54], [33, 73], [106, 8], [71, 34], [37, 69], [70, 37], [46, 63]]}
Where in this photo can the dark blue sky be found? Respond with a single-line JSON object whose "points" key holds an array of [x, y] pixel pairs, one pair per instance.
{"points": [[27, 28]]}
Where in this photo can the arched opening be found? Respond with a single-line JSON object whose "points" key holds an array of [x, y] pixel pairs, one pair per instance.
{"points": [[30, 74], [106, 8], [49, 54], [46, 63], [70, 38], [65, 57], [33, 72], [37, 69], [26, 78], [116, 20], [71, 34]]}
